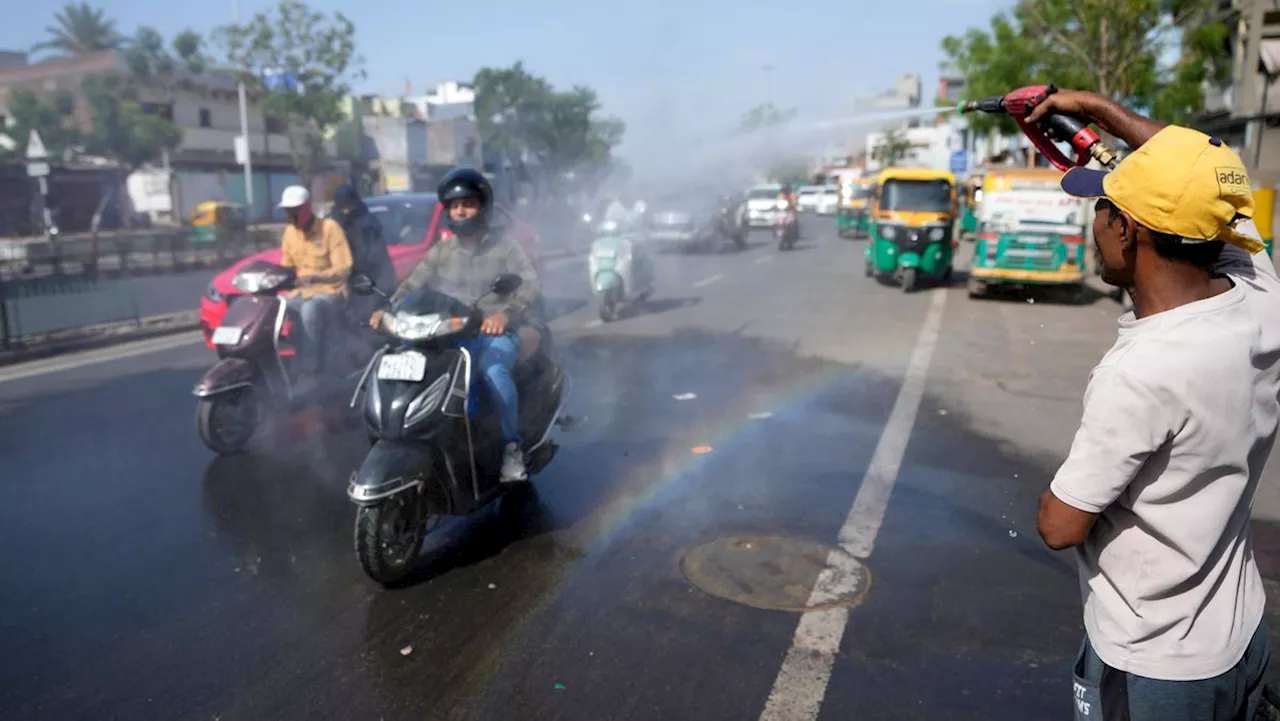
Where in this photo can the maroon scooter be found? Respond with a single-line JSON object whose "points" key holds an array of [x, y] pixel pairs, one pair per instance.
{"points": [[254, 377]]}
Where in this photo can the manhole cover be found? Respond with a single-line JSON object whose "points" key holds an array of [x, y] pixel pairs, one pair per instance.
{"points": [[775, 573]]}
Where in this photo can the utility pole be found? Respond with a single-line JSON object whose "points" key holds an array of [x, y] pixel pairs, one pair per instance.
{"points": [[243, 141]]}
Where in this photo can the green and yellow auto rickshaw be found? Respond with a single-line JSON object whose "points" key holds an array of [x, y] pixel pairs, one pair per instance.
{"points": [[1030, 234], [912, 223], [852, 220], [969, 206], [214, 216]]}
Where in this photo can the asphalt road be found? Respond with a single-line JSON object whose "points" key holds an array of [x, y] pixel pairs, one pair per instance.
{"points": [[142, 578]]}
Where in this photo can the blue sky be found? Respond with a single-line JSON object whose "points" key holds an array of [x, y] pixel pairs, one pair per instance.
{"points": [[665, 67]]}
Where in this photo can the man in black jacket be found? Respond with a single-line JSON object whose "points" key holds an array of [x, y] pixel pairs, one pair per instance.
{"points": [[368, 250]]}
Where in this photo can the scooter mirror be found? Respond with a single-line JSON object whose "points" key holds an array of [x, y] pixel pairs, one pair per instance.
{"points": [[362, 284], [506, 284]]}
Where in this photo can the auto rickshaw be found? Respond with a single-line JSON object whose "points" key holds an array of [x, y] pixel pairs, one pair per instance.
{"points": [[912, 223], [1030, 233], [852, 218], [212, 216], [969, 212]]}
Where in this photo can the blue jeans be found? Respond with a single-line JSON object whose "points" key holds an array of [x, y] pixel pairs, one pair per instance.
{"points": [[315, 313], [495, 356], [1231, 696]]}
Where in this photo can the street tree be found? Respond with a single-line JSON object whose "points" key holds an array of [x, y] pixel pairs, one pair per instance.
{"points": [[893, 148], [150, 62], [302, 63], [52, 116], [763, 116], [518, 111], [1117, 48], [79, 29], [121, 128]]}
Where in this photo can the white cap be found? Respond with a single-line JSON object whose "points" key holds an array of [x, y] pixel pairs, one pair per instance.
{"points": [[294, 196]]}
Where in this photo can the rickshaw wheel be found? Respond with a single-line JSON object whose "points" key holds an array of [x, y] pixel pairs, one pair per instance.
{"points": [[868, 270], [910, 278]]}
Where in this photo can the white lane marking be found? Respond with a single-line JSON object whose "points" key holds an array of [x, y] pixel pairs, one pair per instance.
{"points": [[101, 355], [594, 323], [801, 685], [708, 280], [764, 259]]}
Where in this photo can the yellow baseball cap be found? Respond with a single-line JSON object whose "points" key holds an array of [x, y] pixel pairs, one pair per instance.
{"points": [[1181, 182]]}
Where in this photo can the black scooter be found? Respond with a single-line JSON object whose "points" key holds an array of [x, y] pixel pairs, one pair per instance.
{"points": [[437, 447]]}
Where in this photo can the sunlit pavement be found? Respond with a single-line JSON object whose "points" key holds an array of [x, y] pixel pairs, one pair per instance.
{"points": [[764, 400]]}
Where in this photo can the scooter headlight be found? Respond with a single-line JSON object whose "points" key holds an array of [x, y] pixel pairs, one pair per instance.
{"points": [[421, 327], [586, 217]]}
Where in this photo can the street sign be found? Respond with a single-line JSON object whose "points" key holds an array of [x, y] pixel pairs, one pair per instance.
{"points": [[35, 146], [241, 144], [37, 170], [959, 161]]}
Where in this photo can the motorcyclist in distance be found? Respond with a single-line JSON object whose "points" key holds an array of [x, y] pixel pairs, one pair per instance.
{"points": [[318, 251], [463, 267]]}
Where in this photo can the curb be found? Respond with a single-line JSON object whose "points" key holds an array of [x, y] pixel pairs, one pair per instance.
{"points": [[102, 336]]}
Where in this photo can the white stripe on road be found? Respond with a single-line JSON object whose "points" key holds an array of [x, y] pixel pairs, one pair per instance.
{"points": [[102, 355], [802, 681], [707, 281], [764, 259]]}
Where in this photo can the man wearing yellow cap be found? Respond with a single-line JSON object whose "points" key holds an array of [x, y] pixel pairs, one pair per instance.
{"points": [[1179, 419]]}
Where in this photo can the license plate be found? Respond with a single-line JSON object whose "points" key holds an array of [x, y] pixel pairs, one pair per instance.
{"points": [[227, 335], [408, 366]]}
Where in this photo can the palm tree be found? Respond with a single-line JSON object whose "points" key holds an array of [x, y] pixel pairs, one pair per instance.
{"points": [[79, 30]]}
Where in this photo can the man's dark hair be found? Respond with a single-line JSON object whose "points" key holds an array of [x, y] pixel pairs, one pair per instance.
{"points": [[1201, 254]]}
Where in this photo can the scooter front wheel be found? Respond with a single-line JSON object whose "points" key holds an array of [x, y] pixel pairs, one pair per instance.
{"points": [[226, 422], [389, 534]]}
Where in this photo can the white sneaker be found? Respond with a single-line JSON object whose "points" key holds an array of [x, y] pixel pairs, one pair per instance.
{"points": [[513, 470]]}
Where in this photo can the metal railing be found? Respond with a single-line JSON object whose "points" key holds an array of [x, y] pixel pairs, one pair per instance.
{"points": [[74, 283]]}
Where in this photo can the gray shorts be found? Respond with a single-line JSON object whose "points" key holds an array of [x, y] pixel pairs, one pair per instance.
{"points": [[1101, 692]]}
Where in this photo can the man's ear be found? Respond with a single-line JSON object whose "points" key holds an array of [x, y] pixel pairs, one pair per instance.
{"points": [[1128, 231]]}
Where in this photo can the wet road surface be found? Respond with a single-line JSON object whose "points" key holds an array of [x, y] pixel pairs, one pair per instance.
{"points": [[143, 578]]}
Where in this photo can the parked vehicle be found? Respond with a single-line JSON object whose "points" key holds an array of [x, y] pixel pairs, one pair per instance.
{"points": [[253, 380], [853, 218], [210, 217], [914, 214], [828, 200], [1030, 234], [410, 225], [807, 198], [437, 446]]}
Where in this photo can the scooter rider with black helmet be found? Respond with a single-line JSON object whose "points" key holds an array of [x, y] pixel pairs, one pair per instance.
{"points": [[463, 267]]}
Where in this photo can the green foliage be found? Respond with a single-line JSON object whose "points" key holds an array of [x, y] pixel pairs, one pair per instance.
{"points": [[763, 116], [121, 129], [51, 116], [893, 149], [1112, 47], [149, 61], [79, 29], [318, 50], [517, 110]]}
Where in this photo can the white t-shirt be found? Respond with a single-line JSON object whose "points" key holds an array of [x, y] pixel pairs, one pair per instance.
{"points": [[1179, 419]]}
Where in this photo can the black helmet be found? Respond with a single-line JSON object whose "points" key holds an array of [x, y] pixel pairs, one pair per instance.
{"points": [[467, 183]]}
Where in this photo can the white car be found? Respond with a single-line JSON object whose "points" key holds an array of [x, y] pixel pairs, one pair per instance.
{"points": [[807, 197], [762, 204], [828, 200]]}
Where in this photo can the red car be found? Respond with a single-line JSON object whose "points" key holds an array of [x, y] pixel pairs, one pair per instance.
{"points": [[410, 222]]}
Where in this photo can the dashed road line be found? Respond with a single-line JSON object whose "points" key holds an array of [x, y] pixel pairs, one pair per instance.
{"points": [[707, 281], [801, 684]]}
